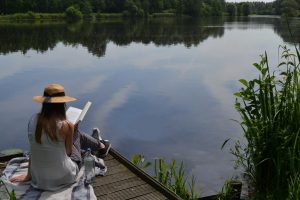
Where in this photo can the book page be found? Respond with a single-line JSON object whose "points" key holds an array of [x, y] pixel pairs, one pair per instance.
{"points": [[73, 114], [84, 110]]}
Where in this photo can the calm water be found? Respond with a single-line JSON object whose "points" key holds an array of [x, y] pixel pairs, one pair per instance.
{"points": [[162, 88]]}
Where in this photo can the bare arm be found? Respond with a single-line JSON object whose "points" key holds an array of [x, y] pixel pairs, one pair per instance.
{"points": [[22, 178], [67, 131]]}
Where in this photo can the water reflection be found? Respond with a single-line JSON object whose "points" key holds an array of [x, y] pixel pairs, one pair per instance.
{"points": [[95, 36]]}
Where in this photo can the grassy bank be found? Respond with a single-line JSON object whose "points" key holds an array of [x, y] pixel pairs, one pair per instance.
{"points": [[31, 16]]}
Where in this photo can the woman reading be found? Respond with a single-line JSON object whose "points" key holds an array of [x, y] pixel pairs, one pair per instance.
{"points": [[56, 145]]}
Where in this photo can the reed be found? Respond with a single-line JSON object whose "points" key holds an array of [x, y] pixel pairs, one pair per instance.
{"points": [[139, 161], [170, 175], [173, 176], [294, 188], [231, 190], [270, 118], [226, 191]]}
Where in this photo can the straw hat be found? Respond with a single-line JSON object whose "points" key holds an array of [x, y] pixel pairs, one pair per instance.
{"points": [[53, 93]]}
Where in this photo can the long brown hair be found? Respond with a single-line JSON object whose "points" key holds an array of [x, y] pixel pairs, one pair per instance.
{"points": [[47, 120]]}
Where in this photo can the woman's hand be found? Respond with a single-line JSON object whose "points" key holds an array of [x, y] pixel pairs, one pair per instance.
{"points": [[19, 178], [76, 127]]}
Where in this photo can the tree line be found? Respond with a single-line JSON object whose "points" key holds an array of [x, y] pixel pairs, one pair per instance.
{"points": [[131, 7], [195, 8], [278, 7]]}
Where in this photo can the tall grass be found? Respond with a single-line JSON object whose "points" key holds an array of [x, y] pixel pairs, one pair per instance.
{"points": [[139, 161], [170, 175], [231, 190], [173, 176], [294, 188], [270, 110]]}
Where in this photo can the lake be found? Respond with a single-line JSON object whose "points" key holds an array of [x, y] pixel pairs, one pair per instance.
{"points": [[160, 87]]}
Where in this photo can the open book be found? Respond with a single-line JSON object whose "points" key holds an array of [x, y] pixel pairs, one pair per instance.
{"points": [[75, 115]]}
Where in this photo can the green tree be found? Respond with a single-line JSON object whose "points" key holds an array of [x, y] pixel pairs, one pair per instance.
{"points": [[193, 7], [85, 7], [131, 8], [246, 9], [289, 8], [231, 9], [240, 9], [216, 8], [156, 6], [98, 5], [145, 6], [179, 7], [73, 14], [55, 6]]}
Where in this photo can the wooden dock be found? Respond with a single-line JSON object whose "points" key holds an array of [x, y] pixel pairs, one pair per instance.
{"points": [[124, 181]]}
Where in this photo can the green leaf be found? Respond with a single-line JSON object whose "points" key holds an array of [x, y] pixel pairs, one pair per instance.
{"points": [[148, 164], [264, 71], [257, 66], [136, 159], [244, 82], [224, 143], [238, 94]]}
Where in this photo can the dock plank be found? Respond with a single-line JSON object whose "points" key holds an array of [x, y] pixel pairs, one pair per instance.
{"points": [[113, 178], [125, 181], [117, 186], [153, 196], [129, 193]]}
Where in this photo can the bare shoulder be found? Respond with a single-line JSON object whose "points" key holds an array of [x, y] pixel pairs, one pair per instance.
{"points": [[67, 128]]}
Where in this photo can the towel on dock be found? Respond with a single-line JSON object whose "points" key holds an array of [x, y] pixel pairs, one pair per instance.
{"points": [[18, 166]]}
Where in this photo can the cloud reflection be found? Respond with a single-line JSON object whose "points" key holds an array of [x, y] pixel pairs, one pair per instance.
{"points": [[117, 100], [90, 85]]}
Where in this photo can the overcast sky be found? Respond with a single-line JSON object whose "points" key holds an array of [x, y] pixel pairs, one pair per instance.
{"points": [[248, 0]]}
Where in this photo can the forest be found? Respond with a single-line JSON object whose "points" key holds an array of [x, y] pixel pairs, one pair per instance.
{"points": [[133, 7], [194, 8], [277, 7]]}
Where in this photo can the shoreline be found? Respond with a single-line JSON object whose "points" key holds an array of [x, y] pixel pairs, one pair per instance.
{"points": [[31, 16]]}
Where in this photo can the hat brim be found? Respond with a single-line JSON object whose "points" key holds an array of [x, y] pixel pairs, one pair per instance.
{"points": [[42, 99]]}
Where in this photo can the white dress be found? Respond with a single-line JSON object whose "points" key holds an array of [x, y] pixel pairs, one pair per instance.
{"points": [[51, 168]]}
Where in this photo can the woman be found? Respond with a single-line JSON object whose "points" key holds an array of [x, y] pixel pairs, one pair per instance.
{"points": [[56, 144]]}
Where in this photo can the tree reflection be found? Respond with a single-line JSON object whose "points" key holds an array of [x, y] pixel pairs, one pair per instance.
{"points": [[161, 32], [95, 36], [291, 36]]}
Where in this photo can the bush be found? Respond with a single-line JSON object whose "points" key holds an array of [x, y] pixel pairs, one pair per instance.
{"points": [[73, 14], [31, 15]]}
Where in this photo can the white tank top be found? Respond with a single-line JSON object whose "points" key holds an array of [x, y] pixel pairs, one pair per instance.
{"points": [[51, 168]]}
